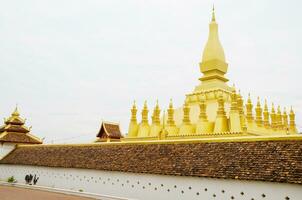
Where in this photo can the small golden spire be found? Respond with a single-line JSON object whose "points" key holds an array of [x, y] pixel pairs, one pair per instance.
{"points": [[157, 106], [258, 101], [145, 113], [279, 118], [258, 110], [234, 103], [186, 111], [285, 119], [133, 112], [240, 103], [266, 115], [203, 110], [292, 123], [213, 14], [170, 121], [249, 109], [156, 114], [16, 111], [273, 117], [171, 104], [164, 118], [220, 111]]}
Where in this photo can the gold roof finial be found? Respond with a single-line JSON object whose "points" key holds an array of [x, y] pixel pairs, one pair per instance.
{"points": [[134, 104], [16, 111], [157, 103], [171, 103], [164, 124], [249, 101], [213, 14]]}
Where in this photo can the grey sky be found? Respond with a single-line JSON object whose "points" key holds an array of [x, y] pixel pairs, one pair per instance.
{"points": [[70, 64]]}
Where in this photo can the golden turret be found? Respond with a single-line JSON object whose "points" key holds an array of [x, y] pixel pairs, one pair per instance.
{"points": [[241, 111], [133, 126], [240, 103], [170, 121], [292, 123], [171, 127], [155, 127], [203, 110], [220, 111], [235, 122], [186, 110], [249, 110], [266, 116], [285, 120], [258, 110], [163, 133], [221, 122], [133, 113], [234, 103], [273, 118], [156, 114], [145, 112], [203, 126], [279, 119], [144, 128], [186, 128]]}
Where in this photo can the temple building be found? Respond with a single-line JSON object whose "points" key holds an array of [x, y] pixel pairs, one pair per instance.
{"points": [[217, 146], [15, 132], [109, 132], [214, 109]]}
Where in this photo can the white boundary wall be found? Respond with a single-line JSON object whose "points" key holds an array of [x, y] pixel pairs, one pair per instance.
{"points": [[150, 187]]}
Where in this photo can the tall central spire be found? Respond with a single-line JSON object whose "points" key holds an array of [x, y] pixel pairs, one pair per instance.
{"points": [[213, 64]]}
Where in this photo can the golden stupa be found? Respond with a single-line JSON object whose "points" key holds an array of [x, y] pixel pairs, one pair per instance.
{"points": [[213, 109]]}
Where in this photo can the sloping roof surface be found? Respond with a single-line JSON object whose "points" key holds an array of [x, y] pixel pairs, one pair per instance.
{"points": [[15, 137], [109, 130], [276, 161]]}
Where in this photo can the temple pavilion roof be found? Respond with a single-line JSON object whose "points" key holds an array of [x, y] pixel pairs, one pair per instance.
{"points": [[108, 131], [15, 131]]}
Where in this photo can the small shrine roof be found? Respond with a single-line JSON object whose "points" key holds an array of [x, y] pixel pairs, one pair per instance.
{"points": [[109, 130]]}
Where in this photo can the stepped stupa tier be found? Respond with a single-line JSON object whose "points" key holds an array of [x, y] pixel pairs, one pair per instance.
{"points": [[214, 109]]}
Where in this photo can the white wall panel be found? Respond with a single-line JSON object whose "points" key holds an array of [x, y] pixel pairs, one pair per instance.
{"points": [[150, 187]]}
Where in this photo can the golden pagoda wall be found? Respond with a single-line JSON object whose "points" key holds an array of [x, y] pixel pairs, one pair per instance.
{"points": [[213, 109], [224, 120]]}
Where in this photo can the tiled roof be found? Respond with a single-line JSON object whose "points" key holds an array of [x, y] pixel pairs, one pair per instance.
{"points": [[276, 161], [109, 130], [14, 128], [15, 131], [15, 137]]}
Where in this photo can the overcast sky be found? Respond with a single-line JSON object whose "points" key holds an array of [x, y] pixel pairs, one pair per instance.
{"points": [[71, 64]]}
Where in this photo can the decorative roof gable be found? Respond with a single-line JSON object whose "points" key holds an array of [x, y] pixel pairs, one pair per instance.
{"points": [[15, 131], [109, 130]]}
